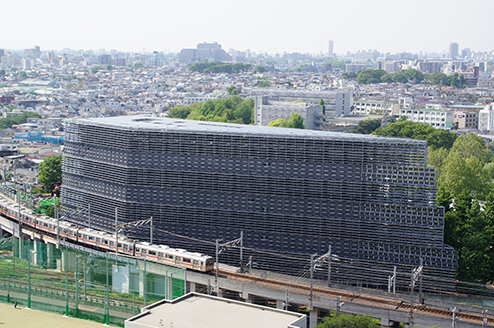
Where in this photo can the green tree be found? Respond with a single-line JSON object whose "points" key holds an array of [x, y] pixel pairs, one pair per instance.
{"points": [[295, 122], [138, 65], [321, 102], [2, 72], [50, 171], [437, 78], [281, 123], [96, 69], [459, 174], [413, 76], [259, 69], [349, 76], [346, 321], [368, 125], [8, 122], [178, 112], [436, 157], [436, 138], [370, 76], [264, 84], [233, 91], [472, 145]]}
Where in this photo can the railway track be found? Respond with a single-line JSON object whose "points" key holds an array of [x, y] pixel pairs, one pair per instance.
{"points": [[357, 297]]}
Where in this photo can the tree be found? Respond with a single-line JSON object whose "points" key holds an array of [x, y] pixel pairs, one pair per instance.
{"points": [[96, 69], [259, 69], [321, 102], [436, 138], [413, 76], [264, 84], [349, 76], [354, 321], [233, 91], [295, 122], [472, 145], [50, 171], [232, 109], [368, 125], [369, 76], [465, 174]]}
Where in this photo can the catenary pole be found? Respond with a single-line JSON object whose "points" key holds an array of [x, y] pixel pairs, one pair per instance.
{"points": [[116, 230]]}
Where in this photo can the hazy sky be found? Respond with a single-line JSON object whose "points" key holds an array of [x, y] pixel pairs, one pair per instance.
{"points": [[267, 26]]}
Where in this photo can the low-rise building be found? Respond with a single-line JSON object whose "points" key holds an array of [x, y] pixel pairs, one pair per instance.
{"points": [[201, 311], [432, 117], [466, 119]]}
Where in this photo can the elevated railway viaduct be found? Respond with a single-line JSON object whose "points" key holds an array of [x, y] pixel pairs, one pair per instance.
{"points": [[263, 287]]}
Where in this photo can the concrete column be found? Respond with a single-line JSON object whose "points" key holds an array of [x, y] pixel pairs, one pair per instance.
{"points": [[192, 287], [313, 318], [64, 258], [34, 253], [246, 297], [49, 255], [386, 323], [220, 293], [141, 283], [280, 304]]}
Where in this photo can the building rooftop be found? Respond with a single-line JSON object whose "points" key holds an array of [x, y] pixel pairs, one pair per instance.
{"points": [[205, 311], [148, 123]]}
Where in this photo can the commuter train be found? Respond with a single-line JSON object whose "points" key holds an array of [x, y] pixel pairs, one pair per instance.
{"points": [[105, 241]]}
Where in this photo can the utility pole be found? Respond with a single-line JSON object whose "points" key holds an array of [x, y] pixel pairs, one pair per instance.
{"points": [[28, 280], [329, 266], [151, 231], [219, 250], [116, 230], [20, 225], [421, 295], [66, 281], [416, 275], [311, 307], [217, 266], [339, 304], [392, 281], [455, 318], [241, 251], [58, 220], [107, 314]]}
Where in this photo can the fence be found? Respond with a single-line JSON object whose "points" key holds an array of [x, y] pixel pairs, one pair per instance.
{"points": [[81, 282]]}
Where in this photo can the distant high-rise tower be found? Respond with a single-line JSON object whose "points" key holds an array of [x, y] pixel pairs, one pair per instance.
{"points": [[330, 48], [453, 50]]}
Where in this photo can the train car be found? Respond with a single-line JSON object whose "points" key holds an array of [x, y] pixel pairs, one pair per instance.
{"points": [[68, 230], [176, 257], [45, 223], [105, 241]]}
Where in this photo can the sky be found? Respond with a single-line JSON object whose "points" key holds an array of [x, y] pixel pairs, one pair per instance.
{"points": [[270, 26]]}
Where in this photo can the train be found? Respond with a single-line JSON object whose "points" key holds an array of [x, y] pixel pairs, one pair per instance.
{"points": [[106, 242]]}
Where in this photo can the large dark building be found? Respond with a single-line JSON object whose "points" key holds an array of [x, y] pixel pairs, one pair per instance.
{"points": [[292, 193]]}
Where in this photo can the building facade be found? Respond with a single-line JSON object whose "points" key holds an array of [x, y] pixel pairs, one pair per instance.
{"points": [[291, 192], [436, 118], [466, 119]]}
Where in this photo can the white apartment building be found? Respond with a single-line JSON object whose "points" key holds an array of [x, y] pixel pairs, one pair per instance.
{"points": [[486, 118], [435, 118], [367, 107]]}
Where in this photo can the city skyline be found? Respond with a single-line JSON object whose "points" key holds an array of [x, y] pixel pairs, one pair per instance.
{"points": [[427, 26]]}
